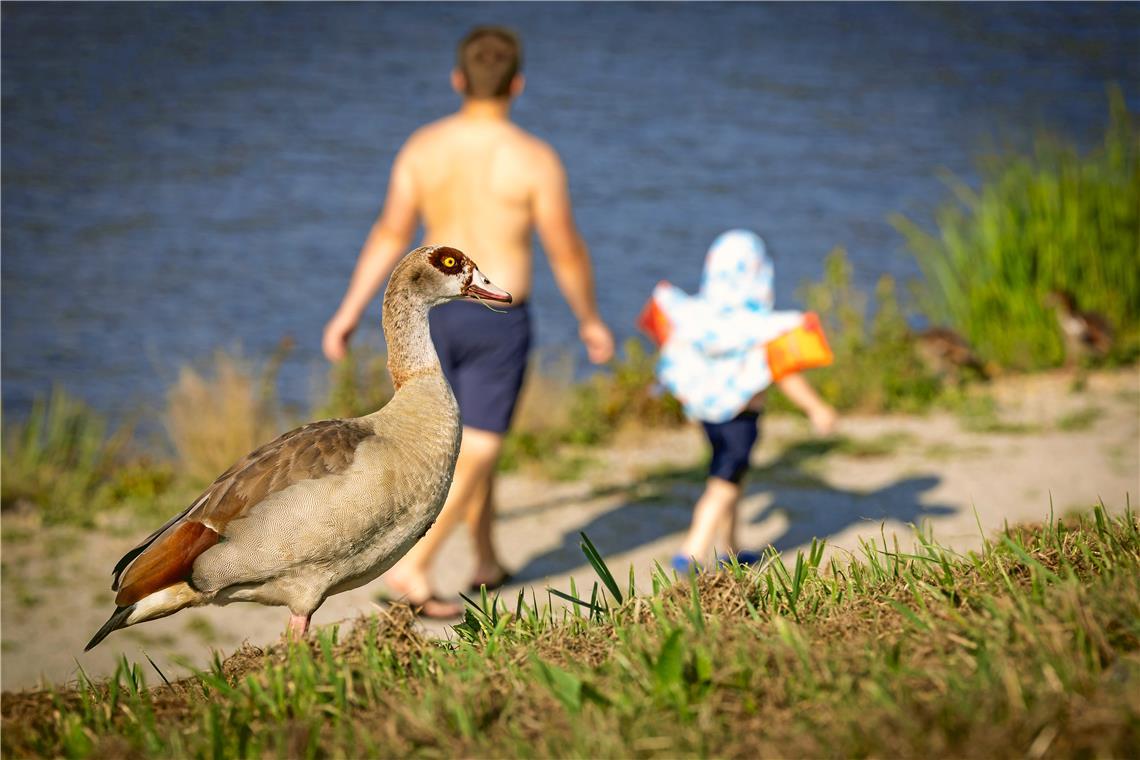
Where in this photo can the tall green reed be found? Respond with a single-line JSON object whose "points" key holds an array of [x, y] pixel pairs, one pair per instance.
{"points": [[1055, 219]]}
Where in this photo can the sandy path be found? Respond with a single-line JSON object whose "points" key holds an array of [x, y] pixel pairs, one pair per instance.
{"points": [[892, 472]]}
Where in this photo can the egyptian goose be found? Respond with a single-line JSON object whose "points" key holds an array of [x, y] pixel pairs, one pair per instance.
{"points": [[1086, 333], [331, 505]]}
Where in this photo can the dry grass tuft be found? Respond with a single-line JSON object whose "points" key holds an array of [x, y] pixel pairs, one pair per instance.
{"points": [[545, 403], [214, 418]]}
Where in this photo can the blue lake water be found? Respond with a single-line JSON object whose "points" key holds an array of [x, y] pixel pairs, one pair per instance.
{"points": [[182, 177]]}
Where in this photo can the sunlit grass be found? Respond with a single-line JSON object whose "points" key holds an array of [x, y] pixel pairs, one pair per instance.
{"points": [[58, 461], [1080, 419], [980, 413]]}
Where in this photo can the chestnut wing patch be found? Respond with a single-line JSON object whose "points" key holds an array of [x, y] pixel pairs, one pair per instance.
{"points": [[167, 555], [167, 561]]}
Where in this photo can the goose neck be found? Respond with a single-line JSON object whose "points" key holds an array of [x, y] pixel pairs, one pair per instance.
{"points": [[411, 352]]}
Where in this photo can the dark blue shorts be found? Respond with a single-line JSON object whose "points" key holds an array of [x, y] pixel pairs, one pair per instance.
{"points": [[483, 354], [732, 444]]}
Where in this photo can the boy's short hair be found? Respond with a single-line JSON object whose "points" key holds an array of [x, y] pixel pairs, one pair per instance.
{"points": [[489, 57]]}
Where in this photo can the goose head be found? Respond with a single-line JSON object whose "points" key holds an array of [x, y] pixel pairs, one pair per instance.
{"points": [[426, 277], [440, 273]]}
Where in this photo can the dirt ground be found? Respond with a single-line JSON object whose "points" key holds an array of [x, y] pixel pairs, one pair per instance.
{"points": [[1047, 447]]}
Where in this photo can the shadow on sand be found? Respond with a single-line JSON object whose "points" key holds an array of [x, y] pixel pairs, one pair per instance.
{"points": [[661, 504]]}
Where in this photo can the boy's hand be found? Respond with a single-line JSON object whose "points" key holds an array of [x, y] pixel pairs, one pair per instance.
{"points": [[335, 340], [823, 419], [819, 412], [598, 339]]}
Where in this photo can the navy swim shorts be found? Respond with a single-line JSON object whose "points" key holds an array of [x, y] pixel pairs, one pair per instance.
{"points": [[483, 354], [732, 444]]}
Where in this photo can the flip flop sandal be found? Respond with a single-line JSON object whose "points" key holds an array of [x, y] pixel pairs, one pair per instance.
{"points": [[418, 607], [420, 611], [504, 579], [685, 565]]}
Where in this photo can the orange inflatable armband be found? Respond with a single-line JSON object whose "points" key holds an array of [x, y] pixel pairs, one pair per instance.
{"points": [[653, 322], [802, 348]]}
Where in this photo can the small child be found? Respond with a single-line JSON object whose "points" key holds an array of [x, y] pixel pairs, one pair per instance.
{"points": [[715, 361]]}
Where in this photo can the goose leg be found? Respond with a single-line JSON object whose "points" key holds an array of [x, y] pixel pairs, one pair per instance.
{"points": [[298, 627]]}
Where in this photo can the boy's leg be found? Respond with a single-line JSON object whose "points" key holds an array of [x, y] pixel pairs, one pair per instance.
{"points": [[478, 455], [821, 413], [728, 539], [712, 515]]}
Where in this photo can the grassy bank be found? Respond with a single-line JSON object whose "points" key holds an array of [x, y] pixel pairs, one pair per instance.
{"points": [[1029, 648]]}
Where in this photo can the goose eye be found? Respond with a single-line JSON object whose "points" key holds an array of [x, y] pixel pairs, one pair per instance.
{"points": [[449, 261]]}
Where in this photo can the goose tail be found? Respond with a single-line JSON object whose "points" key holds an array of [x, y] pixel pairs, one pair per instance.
{"points": [[159, 604], [117, 620]]}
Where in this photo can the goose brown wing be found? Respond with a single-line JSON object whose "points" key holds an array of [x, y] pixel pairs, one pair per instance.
{"points": [[167, 556]]}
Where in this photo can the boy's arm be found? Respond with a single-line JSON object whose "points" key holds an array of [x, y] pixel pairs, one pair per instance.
{"points": [[568, 256], [387, 241], [821, 413]]}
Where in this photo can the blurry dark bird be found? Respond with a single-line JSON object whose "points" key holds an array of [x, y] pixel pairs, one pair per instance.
{"points": [[946, 353], [1087, 334]]}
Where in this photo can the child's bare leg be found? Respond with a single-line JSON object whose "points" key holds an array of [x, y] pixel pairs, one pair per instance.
{"points": [[821, 413], [728, 539], [712, 515]]}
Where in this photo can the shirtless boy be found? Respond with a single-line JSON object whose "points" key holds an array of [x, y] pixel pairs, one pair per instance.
{"points": [[483, 185]]}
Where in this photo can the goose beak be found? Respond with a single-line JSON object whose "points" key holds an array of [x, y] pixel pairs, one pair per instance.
{"points": [[482, 289]]}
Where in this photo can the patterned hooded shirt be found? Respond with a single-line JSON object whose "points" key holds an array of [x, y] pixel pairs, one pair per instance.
{"points": [[715, 359]]}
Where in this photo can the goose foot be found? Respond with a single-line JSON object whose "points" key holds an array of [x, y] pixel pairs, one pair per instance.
{"points": [[298, 627]]}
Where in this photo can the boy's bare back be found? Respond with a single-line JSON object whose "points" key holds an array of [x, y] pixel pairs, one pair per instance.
{"points": [[480, 185]]}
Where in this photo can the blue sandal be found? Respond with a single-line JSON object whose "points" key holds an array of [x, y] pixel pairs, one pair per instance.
{"points": [[688, 566], [743, 558], [685, 565]]}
